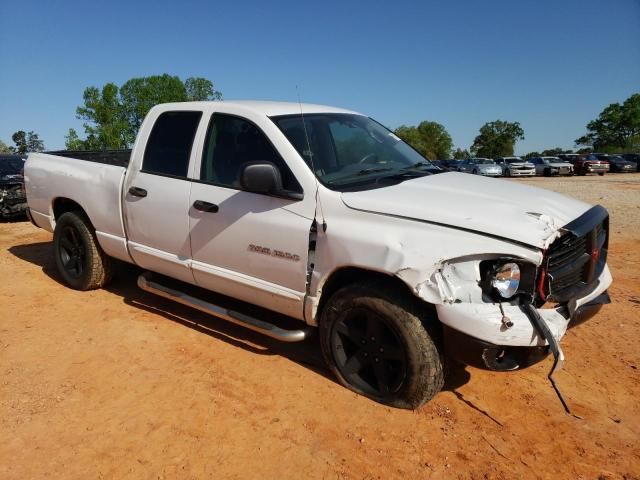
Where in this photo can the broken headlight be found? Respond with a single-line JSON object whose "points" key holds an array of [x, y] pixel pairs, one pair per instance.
{"points": [[505, 278]]}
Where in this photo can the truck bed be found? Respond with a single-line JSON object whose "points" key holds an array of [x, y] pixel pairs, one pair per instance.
{"points": [[93, 180], [119, 158]]}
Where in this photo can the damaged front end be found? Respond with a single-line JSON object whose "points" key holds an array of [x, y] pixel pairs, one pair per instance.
{"points": [[13, 200], [507, 313]]}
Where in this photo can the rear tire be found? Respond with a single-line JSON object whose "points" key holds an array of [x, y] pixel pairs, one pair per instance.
{"points": [[601, 173], [375, 341], [81, 262]]}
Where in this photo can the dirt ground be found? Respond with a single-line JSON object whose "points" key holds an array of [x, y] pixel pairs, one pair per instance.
{"points": [[117, 383]]}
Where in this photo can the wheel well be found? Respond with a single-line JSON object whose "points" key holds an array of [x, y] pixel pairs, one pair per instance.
{"points": [[63, 205], [352, 275]]}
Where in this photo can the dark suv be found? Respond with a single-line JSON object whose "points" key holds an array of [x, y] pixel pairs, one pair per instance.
{"points": [[13, 200], [633, 157]]}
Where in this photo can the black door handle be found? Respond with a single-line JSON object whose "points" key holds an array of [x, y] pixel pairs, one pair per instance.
{"points": [[205, 206], [138, 192]]}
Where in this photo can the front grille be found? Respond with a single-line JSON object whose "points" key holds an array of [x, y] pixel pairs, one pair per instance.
{"points": [[576, 259]]}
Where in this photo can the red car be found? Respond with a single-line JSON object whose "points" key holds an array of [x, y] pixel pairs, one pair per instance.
{"points": [[586, 163]]}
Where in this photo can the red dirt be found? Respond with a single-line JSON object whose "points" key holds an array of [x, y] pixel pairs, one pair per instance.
{"points": [[117, 383]]}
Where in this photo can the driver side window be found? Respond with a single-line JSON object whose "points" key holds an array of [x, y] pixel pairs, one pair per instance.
{"points": [[231, 143]]}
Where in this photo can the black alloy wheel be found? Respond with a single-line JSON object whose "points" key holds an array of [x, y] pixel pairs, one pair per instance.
{"points": [[368, 352], [80, 260], [72, 252]]}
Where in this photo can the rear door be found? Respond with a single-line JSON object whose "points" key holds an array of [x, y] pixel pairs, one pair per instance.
{"points": [[250, 246], [156, 197]]}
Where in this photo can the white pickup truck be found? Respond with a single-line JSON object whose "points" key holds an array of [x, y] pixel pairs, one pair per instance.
{"points": [[325, 216]]}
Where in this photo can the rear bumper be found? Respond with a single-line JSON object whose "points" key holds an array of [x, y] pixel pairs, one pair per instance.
{"points": [[475, 333]]}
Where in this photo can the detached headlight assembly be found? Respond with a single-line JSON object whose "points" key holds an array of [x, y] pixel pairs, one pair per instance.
{"points": [[505, 278]]}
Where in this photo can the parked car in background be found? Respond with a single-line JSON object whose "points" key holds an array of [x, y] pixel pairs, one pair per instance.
{"points": [[480, 166], [589, 163], [516, 167], [13, 200], [633, 157], [501, 162], [448, 165], [548, 166], [617, 163]]}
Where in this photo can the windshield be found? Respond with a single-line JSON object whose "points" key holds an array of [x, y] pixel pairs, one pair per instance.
{"points": [[11, 165], [347, 149], [484, 161]]}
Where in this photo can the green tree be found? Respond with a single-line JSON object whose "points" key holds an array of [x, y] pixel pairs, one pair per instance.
{"points": [[112, 116], [20, 139], [104, 123], [26, 142], [615, 128], [199, 89], [431, 139], [139, 95], [4, 148], [554, 152], [34, 144], [73, 142], [460, 154], [497, 139], [531, 155]]}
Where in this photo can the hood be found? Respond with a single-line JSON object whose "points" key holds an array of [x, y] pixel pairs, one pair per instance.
{"points": [[488, 206]]}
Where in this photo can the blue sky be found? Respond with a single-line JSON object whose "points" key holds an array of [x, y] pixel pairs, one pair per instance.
{"points": [[551, 65]]}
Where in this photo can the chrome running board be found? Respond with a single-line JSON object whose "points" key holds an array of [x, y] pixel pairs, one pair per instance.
{"points": [[265, 328]]}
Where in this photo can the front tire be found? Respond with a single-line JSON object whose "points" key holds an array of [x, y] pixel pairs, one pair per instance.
{"points": [[375, 341], [80, 260]]}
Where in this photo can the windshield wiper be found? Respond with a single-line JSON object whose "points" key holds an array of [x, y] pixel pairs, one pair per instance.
{"points": [[367, 171], [418, 165]]}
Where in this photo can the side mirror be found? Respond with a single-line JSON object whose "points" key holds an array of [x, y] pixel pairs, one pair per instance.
{"points": [[261, 177], [265, 178]]}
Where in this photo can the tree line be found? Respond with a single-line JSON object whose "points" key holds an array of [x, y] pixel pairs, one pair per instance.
{"points": [[616, 130], [112, 116]]}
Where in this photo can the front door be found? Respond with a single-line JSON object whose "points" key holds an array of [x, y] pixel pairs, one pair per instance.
{"points": [[249, 246]]}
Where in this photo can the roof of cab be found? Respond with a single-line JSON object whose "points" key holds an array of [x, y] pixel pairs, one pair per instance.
{"points": [[267, 108]]}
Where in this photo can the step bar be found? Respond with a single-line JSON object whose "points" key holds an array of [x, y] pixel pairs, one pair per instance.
{"points": [[265, 328]]}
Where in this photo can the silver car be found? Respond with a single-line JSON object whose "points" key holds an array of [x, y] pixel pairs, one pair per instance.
{"points": [[548, 166], [516, 167], [480, 166]]}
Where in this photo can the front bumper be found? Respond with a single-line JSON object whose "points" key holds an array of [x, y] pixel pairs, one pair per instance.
{"points": [[523, 173], [596, 168], [476, 334]]}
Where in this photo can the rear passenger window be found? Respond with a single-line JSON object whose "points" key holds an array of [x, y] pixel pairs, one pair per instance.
{"points": [[169, 145], [231, 143]]}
